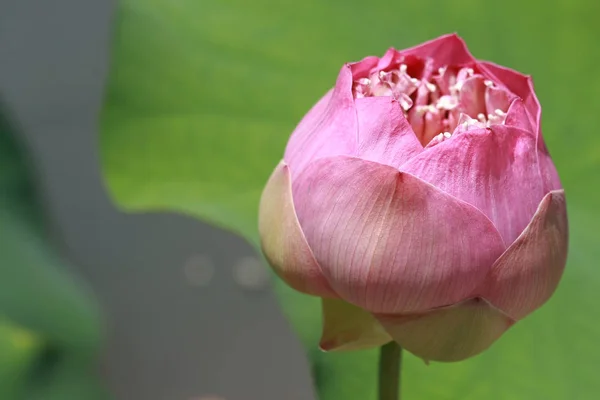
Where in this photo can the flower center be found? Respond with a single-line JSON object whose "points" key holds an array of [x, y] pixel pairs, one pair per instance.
{"points": [[435, 103]]}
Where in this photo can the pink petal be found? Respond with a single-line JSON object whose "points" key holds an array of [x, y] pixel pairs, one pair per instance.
{"points": [[492, 169], [282, 240], [347, 327], [547, 169], [390, 57], [384, 134], [330, 127], [389, 242], [528, 272], [451, 333], [519, 84], [362, 68], [445, 50], [517, 117], [522, 86]]}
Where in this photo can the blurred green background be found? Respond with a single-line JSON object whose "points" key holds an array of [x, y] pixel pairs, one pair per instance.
{"points": [[200, 100]]}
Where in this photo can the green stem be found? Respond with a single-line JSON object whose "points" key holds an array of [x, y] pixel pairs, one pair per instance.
{"points": [[390, 361]]}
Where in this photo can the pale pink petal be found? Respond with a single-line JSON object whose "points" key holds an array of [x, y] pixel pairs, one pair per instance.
{"points": [[445, 79], [497, 99], [384, 134], [492, 169], [433, 125], [416, 116], [282, 240], [528, 272], [347, 327], [451, 333], [389, 242], [517, 83], [426, 68], [330, 128], [472, 96], [445, 50]]}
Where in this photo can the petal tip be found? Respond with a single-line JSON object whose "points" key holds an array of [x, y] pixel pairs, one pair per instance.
{"points": [[326, 345]]}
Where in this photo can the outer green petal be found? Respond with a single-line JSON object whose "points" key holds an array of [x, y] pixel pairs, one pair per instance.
{"points": [[348, 327], [282, 240], [451, 333]]}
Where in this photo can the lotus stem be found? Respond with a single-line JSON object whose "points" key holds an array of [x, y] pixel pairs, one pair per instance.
{"points": [[390, 363]]}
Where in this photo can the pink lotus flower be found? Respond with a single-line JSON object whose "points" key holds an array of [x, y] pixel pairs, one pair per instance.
{"points": [[418, 199]]}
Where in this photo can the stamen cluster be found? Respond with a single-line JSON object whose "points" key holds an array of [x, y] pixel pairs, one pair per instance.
{"points": [[435, 104]]}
